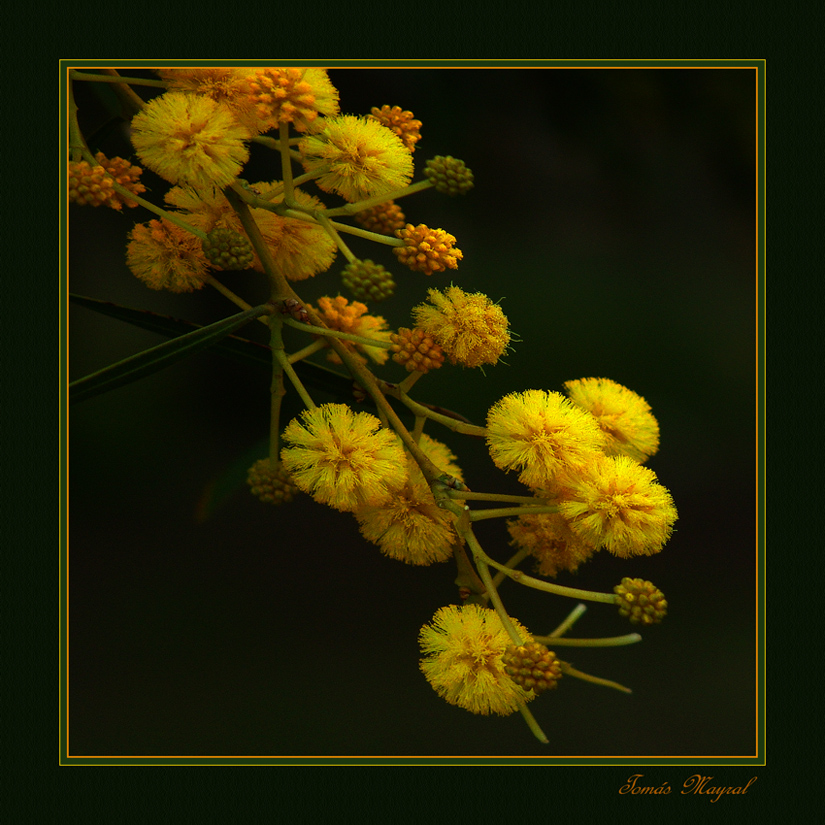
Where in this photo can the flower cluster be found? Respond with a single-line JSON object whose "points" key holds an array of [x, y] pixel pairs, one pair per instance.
{"points": [[92, 185], [579, 453], [563, 451]]}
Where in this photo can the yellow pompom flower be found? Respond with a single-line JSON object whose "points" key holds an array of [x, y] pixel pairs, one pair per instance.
{"points": [[622, 414], [356, 157], [621, 506], [427, 250], [543, 435], [289, 95], [190, 139], [343, 458], [224, 85], [463, 649], [469, 327], [339, 314], [411, 527], [548, 537], [300, 250], [403, 123], [164, 256]]}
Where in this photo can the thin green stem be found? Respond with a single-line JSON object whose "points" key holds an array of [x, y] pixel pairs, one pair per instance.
{"points": [[293, 377], [569, 670], [131, 101], [507, 512], [466, 532], [334, 333], [419, 409], [418, 429], [277, 389], [508, 625], [606, 641], [405, 386], [299, 213], [514, 561], [467, 575], [332, 232], [359, 206], [530, 500], [575, 614], [228, 293], [280, 287], [74, 74], [533, 724], [549, 587], [309, 349], [367, 380], [286, 164]]}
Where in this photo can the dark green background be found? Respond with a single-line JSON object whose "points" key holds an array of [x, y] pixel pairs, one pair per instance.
{"points": [[614, 215]]}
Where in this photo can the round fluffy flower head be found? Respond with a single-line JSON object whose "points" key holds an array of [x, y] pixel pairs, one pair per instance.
{"points": [[551, 541], [543, 435], [343, 458], [357, 157], [469, 327], [223, 85], [401, 122], [190, 139], [164, 256], [300, 249], [463, 649], [622, 414], [339, 314], [619, 505], [427, 250], [290, 95], [411, 527]]}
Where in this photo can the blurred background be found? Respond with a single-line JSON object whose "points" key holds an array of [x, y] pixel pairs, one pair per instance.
{"points": [[614, 216]]}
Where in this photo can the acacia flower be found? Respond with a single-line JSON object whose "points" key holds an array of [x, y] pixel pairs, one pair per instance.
{"points": [[190, 139], [339, 314], [622, 414], [356, 157], [224, 85], [402, 122], [289, 95], [411, 527], [463, 649], [469, 327], [299, 249], [548, 537], [343, 458], [164, 256], [619, 505], [427, 250], [92, 185], [543, 435]]}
